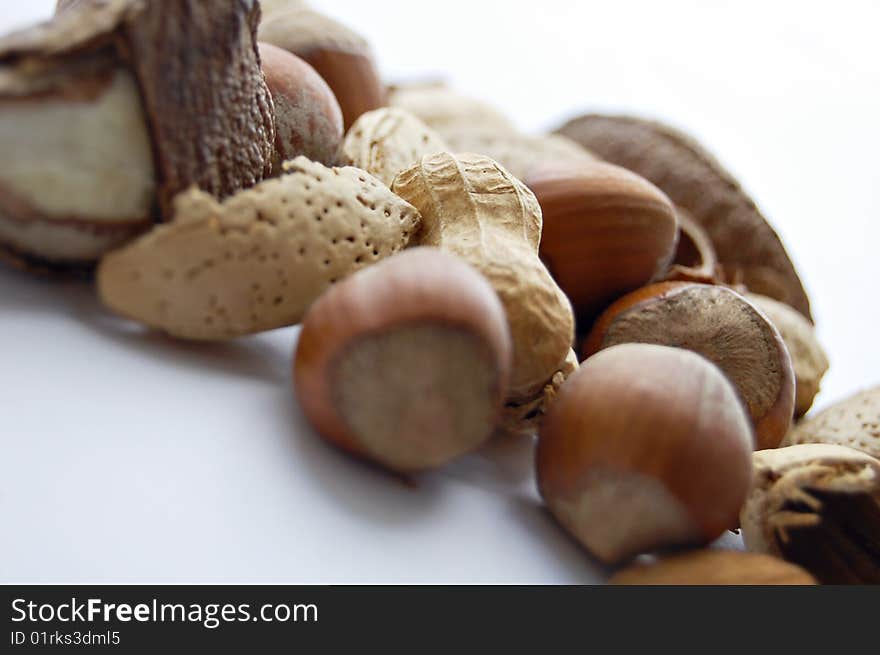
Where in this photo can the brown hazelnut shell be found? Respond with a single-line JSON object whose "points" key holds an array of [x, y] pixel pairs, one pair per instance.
{"points": [[644, 447], [772, 405], [748, 248], [419, 289], [606, 231]]}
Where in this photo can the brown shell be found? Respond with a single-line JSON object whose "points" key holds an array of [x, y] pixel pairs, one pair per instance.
{"points": [[645, 446], [406, 362], [747, 246], [341, 56], [258, 260], [208, 108], [723, 327]]}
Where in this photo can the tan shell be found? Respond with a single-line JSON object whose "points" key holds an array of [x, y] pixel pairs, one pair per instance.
{"points": [[748, 248], [385, 141], [441, 108], [473, 207], [807, 356], [786, 502], [854, 422], [520, 154], [258, 260]]}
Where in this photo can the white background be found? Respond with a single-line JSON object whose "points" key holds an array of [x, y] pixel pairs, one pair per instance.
{"points": [[125, 456]]}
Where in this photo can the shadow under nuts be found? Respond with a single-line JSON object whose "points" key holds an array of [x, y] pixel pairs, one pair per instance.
{"points": [[629, 461], [720, 325], [405, 363], [256, 261], [474, 208], [607, 231]]}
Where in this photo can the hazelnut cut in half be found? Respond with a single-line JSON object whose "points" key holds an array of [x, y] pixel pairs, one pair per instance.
{"points": [[606, 231], [405, 363], [644, 447], [723, 327]]}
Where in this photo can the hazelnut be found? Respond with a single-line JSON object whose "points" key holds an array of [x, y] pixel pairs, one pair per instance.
{"points": [[308, 120], [606, 231], [817, 505], [714, 567], [748, 248], [720, 325], [407, 362], [644, 447], [341, 57]]}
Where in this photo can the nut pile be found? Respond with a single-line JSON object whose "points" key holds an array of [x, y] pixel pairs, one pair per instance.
{"points": [[608, 290]]}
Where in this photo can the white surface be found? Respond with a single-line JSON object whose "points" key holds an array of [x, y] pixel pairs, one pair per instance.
{"points": [[129, 457]]}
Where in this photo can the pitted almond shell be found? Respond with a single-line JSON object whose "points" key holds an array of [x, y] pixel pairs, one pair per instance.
{"points": [[258, 260], [853, 422]]}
